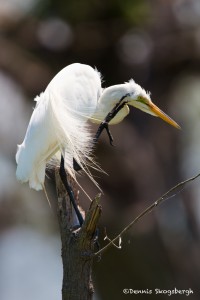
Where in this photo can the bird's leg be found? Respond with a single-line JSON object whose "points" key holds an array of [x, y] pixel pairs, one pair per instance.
{"points": [[109, 134], [108, 118], [69, 190], [104, 125]]}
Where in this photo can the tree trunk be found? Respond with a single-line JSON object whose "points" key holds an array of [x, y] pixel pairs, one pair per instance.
{"points": [[77, 245]]}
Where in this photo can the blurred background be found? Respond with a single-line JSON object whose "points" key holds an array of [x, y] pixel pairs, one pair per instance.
{"points": [[155, 42]]}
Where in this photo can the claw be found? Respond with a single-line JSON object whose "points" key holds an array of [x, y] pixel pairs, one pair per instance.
{"points": [[109, 134], [103, 125], [108, 118]]}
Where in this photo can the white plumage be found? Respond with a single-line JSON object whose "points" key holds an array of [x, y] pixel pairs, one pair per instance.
{"points": [[59, 120]]}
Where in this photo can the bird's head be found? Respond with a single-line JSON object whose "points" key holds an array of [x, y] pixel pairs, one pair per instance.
{"points": [[139, 98], [133, 95]]}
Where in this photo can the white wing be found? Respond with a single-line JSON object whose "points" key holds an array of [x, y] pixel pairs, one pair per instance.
{"points": [[59, 122], [39, 144]]}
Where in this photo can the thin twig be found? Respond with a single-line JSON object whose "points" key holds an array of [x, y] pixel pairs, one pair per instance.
{"points": [[160, 200], [107, 238]]}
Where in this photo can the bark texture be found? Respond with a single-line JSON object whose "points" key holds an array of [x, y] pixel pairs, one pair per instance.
{"points": [[77, 245]]}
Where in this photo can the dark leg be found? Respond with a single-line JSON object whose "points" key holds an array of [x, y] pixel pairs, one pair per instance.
{"points": [[104, 125], [69, 190], [108, 118]]}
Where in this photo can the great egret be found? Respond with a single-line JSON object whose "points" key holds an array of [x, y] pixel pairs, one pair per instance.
{"points": [[59, 120]]}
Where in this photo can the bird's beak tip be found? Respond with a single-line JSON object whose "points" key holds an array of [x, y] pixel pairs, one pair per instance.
{"points": [[159, 113], [179, 127]]}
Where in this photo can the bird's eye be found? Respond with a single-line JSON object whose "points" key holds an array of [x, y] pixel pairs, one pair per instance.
{"points": [[142, 100]]}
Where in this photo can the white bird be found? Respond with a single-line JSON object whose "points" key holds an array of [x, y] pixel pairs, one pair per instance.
{"points": [[59, 120]]}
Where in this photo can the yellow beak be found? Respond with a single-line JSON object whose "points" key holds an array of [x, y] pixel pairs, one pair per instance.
{"points": [[159, 113]]}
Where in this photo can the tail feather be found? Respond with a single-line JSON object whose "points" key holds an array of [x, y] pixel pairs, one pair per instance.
{"points": [[37, 178]]}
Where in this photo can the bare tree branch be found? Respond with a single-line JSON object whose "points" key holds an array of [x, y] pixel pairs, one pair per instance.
{"points": [[169, 194]]}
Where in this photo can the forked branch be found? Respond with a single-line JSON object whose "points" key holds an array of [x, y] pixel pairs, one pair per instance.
{"points": [[169, 194]]}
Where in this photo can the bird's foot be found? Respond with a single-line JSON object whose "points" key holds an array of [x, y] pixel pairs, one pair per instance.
{"points": [[108, 118], [103, 125], [111, 140]]}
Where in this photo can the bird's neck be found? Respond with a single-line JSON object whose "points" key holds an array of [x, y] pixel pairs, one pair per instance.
{"points": [[108, 99]]}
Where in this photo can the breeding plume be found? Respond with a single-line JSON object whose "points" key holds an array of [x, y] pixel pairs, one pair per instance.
{"points": [[59, 123]]}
